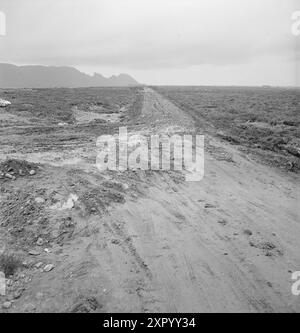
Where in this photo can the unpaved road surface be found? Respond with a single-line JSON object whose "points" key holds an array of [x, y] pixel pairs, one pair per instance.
{"points": [[227, 243]]}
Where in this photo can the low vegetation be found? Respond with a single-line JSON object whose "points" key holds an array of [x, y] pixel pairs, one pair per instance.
{"points": [[264, 120]]}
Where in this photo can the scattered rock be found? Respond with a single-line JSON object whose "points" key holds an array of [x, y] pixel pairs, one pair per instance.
{"points": [[40, 242], [34, 252], [6, 305], [20, 276], [48, 268], [28, 263], [269, 248], [39, 200], [4, 103], [68, 204], [8, 175], [18, 293], [38, 265], [13, 168]]}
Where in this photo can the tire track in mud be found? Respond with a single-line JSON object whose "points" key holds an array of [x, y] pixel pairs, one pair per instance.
{"points": [[199, 266]]}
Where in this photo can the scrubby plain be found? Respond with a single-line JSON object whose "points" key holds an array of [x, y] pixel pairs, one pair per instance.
{"points": [[264, 121]]}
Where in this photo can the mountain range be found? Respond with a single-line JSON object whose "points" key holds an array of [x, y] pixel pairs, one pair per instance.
{"points": [[34, 76]]}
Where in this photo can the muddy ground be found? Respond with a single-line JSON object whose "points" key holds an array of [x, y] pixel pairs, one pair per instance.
{"points": [[137, 241]]}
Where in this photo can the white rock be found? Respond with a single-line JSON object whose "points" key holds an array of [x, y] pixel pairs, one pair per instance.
{"points": [[6, 305], [48, 268], [4, 103], [39, 200], [40, 242], [34, 252], [38, 265]]}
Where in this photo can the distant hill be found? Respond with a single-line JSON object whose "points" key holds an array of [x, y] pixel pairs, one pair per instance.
{"points": [[12, 76]]}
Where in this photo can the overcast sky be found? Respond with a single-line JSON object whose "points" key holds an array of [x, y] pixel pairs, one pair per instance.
{"points": [[187, 42]]}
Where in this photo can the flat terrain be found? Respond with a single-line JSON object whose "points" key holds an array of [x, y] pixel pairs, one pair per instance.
{"points": [[85, 241], [262, 121]]}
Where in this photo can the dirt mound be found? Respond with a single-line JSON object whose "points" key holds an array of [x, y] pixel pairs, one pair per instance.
{"points": [[12, 168]]}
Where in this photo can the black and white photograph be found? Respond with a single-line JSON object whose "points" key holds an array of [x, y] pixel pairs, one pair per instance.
{"points": [[149, 159]]}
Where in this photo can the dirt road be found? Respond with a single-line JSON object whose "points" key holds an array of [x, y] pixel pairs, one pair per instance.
{"points": [[227, 243]]}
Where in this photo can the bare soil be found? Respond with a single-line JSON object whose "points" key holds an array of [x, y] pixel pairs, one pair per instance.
{"points": [[141, 241]]}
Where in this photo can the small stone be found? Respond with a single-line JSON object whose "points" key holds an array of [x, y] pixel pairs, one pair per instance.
{"points": [[48, 268], [39, 200], [38, 265], [6, 305], [32, 172], [40, 242], [28, 263], [7, 175], [47, 250], [34, 252], [18, 293]]}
